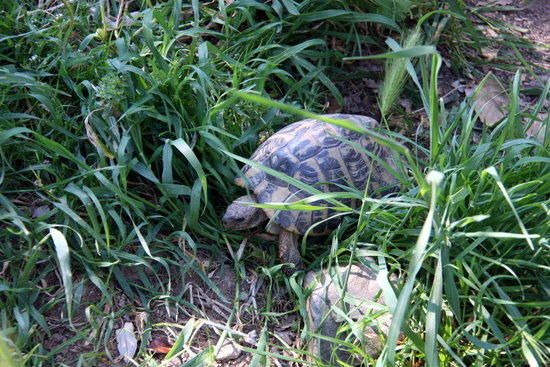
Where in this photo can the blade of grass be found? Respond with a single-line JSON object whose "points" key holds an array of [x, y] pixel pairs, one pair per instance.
{"points": [[434, 178]]}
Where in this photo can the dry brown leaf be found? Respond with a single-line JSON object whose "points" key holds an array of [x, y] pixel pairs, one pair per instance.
{"points": [[228, 352], [141, 320], [160, 345], [332, 106], [503, 2], [5, 265], [37, 211], [490, 100], [371, 83]]}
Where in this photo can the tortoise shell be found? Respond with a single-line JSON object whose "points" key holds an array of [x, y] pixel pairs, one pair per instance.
{"points": [[318, 154]]}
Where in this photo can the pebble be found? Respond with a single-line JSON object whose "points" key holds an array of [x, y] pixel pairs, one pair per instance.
{"points": [[229, 351]]}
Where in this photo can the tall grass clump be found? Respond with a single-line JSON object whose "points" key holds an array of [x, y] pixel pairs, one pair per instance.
{"points": [[468, 244], [479, 287], [114, 122], [473, 285]]}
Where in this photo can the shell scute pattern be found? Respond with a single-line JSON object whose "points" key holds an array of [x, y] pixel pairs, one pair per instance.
{"points": [[329, 141], [298, 128], [305, 148], [350, 155], [257, 178], [267, 148], [299, 194], [326, 162], [331, 167], [265, 195], [350, 135], [370, 145], [315, 153], [360, 177], [309, 175], [286, 221], [303, 221], [284, 162], [318, 218]]}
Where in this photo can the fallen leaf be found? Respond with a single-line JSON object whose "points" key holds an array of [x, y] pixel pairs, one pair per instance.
{"points": [[5, 265], [406, 104], [251, 338], [494, 3], [94, 138], [458, 85], [490, 100], [397, 122], [126, 341], [141, 320], [537, 130], [286, 336], [37, 211], [160, 345]]}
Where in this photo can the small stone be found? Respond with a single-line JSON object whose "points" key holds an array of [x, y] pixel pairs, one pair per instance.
{"points": [[360, 301], [228, 352], [489, 53]]}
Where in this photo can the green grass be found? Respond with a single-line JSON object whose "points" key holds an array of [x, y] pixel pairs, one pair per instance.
{"points": [[474, 280], [119, 141]]}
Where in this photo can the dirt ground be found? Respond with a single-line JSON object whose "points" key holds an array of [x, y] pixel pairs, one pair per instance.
{"points": [[209, 311], [531, 23]]}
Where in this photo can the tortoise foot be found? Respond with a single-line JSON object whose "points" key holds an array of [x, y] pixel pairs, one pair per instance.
{"points": [[288, 252]]}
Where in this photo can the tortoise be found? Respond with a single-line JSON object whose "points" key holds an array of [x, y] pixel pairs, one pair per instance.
{"points": [[316, 153]]}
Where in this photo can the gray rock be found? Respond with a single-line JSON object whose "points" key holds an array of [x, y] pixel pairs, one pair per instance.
{"points": [[362, 304]]}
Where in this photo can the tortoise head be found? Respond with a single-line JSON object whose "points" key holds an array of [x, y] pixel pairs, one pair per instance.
{"points": [[239, 215]]}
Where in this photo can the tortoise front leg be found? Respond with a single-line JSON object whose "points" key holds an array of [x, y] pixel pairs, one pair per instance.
{"points": [[288, 251]]}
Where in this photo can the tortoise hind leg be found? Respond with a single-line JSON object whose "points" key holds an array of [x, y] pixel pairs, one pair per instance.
{"points": [[288, 251]]}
